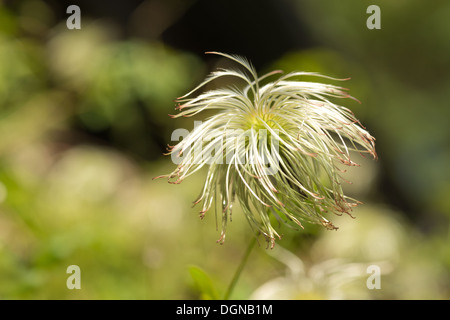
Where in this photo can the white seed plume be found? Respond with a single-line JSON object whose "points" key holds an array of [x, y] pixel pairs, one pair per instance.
{"points": [[290, 172]]}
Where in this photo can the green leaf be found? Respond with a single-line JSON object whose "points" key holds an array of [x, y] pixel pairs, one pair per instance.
{"points": [[203, 283]]}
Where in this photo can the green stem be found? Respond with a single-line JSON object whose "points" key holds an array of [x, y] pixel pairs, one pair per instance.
{"points": [[239, 269]]}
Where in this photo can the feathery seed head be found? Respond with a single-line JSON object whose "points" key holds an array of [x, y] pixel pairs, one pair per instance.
{"points": [[272, 147]]}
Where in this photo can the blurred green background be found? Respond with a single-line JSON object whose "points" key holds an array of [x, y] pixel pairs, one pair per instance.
{"points": [[83, 125]]}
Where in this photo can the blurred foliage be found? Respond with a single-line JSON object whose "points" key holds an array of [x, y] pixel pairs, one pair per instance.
{"points": [[83, 121], [203, 284]]}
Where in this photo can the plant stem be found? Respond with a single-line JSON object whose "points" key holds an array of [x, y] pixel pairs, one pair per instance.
{"points": [[239, 269]]}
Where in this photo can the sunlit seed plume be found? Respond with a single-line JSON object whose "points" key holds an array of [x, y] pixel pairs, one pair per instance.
{"points": [[273, 147]]}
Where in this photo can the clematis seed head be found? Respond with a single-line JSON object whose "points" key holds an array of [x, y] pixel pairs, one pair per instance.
{"points": [[273, 147]]}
